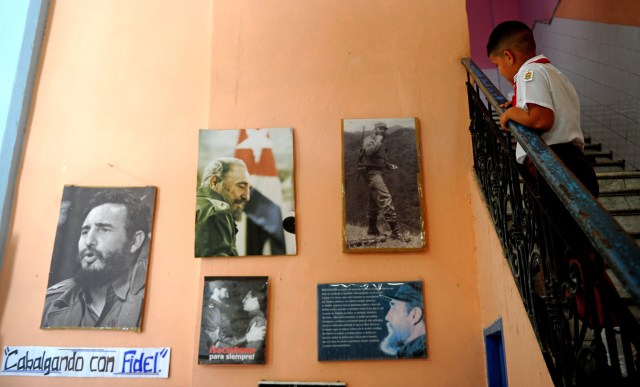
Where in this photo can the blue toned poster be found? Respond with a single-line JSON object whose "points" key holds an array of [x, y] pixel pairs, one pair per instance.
{"points": [[371, 320]]}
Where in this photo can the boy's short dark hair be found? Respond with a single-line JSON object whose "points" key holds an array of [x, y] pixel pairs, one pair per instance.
{"points": [[511, 35]]}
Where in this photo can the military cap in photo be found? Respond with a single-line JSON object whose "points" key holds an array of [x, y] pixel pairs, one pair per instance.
{"points": [[381, 125], [406, 293]]}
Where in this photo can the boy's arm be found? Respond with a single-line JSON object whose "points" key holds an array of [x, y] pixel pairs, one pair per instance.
{"points": [[538, 117]]}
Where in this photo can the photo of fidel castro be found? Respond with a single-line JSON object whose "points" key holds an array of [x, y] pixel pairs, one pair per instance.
{"points": [[100, 257], [382, 195]]}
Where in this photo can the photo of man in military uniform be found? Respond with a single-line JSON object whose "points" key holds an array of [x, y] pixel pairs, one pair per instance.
{"points": [[99, 265], [222, 195], [233, 326], [372, 163], [382, 196], [245, 200], [406, 335], [371, 321]]}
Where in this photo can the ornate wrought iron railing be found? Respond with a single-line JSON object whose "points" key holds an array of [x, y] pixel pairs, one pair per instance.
{"points": [[585, 330]]}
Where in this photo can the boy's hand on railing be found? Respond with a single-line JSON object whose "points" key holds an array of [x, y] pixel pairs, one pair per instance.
{"points": [[504, 118], [505, 105]]}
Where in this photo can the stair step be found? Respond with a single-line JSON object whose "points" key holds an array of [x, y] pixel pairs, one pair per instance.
{"points": [[609, 163], [621, 203], [618, 175], [618, 182], [595, 147], [635, 311], [631, 211], [593, 155], [618, 285], [608, 168], [629, 222], [614, 191]]}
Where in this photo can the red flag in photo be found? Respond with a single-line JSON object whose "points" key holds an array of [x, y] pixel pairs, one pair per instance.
{"points": [[264, 225]]}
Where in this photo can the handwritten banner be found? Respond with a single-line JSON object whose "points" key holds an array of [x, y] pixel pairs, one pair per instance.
{"points": [[86, 362]]}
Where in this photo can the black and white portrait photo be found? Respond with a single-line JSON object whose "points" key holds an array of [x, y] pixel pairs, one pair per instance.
{"points": [[382, 196], [100, 257]]}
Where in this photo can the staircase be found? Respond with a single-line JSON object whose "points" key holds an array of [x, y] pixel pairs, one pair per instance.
{"points": [[620, 195], [569, 308], [619, 188]]}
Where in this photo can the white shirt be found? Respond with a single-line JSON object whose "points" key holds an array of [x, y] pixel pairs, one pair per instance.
{"points": [[544, 85]]}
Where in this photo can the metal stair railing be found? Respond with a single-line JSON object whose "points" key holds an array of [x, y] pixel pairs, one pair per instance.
{"points": [[586, 333]]}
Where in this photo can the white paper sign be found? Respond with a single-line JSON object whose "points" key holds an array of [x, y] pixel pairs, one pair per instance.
{"points": [[86, 362]]}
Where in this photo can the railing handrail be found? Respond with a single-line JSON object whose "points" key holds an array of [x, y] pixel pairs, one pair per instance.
{"points": [[615, 245]]}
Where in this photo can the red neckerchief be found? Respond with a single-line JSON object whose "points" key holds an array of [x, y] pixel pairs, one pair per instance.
{"points": [[515, 88]]}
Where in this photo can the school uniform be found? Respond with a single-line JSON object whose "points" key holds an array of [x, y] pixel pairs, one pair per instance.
{"points": [[539, 82]]}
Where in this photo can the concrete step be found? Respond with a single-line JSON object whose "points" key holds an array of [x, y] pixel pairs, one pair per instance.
{"points": [[593, 154], [618, 182], [616, 282], [630, 223], [621, 204], [605, 162], [613, 166], [620, 195], [594, 147]]}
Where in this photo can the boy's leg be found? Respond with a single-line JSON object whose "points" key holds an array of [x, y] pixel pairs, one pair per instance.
{"points": [[575, 160]]}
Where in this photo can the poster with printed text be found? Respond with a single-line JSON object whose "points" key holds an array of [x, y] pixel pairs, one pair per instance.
{"points": [[371, 320], [100, 258], [245, 199], [233, 328], [382, 185]]}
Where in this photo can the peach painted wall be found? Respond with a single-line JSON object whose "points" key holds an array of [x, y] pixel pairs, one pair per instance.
{"points": [[308, 65], [499, 298], [625, 12], [122, 91]]}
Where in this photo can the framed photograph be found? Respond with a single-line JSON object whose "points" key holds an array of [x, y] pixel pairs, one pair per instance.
{"points": [[371, 320], [245, 199], [233, 328], [100, 257], [382, 191]]}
